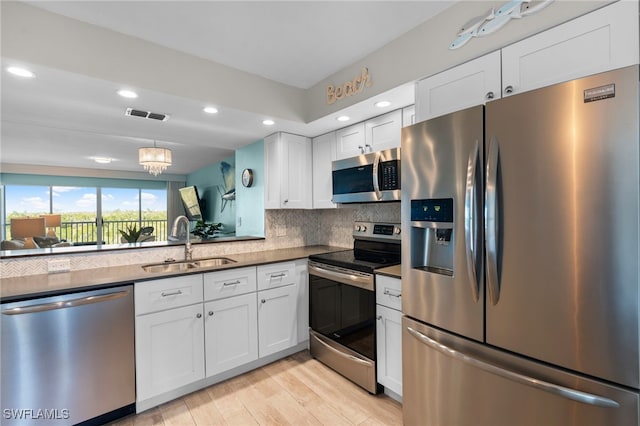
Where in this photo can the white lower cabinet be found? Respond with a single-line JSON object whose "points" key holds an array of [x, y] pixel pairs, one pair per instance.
{"points": [[231, 333], [389, 346], [277, 319], [169, 350], [389, 333], [196, 330]]}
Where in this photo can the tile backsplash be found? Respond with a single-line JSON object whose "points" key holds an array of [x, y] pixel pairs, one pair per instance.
{"points": [[284, 229]]}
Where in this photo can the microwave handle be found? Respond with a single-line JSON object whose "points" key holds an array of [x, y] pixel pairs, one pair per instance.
{"points": [[376, 166]]}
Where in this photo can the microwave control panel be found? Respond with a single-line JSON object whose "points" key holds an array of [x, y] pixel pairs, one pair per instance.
{"points": [[390, 176]]}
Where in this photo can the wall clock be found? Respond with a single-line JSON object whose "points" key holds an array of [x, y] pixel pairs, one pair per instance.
{"points": [[247, 177]]}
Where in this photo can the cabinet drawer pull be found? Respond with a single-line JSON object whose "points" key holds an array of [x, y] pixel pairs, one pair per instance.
{"points": [[173, 293], [210, 313], [198, 315], [231, 283], [263, 301], [388, 293], [280, 275]]}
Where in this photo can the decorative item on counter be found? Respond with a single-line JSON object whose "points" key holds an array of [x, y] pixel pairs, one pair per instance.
{"points": [[206, 230], [131, 235], [494, 20]]}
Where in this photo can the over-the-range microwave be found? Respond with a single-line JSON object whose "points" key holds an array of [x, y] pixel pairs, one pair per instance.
{"points": [[367, 178]]}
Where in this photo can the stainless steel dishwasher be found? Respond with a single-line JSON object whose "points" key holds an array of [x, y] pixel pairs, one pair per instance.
{"points": [[68, 359]]}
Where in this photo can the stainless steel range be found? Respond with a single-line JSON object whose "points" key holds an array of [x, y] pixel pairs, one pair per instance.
{"points": [[342, 301]]}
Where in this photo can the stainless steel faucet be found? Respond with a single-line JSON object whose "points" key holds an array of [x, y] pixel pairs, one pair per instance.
{"points": [[174, 233]]}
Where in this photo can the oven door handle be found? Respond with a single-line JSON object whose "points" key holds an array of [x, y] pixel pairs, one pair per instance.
{"points": [[340, 353], [365, 281]]}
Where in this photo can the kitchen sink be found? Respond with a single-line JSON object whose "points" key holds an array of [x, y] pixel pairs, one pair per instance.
{"points": [[187, 265], [213, 261]]}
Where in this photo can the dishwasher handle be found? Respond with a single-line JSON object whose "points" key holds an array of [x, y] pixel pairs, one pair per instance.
{"points": [[87, 300]]}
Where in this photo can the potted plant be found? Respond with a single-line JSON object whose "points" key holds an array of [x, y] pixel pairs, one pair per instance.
{"points": [[204, 230], [132, 234]]}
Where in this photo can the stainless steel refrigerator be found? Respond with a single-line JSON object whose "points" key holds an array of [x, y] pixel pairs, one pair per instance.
{"points": [[520, 224]]}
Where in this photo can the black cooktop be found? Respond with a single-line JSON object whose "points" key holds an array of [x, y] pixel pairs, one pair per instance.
{"points": [[366, 256]]}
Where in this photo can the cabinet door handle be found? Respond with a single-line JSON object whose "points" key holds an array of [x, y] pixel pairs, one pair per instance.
{"points": [[361, 148], [210, 313], [231, 283], [490, 95], [173, 293], [508, 89], [379, 317], [198, 315], [370, 147], [263, 301]]}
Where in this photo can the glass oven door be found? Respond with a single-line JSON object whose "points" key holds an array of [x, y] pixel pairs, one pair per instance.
{"points": [[343, 312]]}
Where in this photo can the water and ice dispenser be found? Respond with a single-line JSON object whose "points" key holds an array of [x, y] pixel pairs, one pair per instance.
{"points": [[432, 235]]}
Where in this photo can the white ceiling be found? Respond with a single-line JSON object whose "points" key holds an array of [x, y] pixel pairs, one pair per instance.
{"points": [[63, 119]]}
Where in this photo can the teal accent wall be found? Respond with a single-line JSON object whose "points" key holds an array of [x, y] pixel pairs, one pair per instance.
{"points": [[250, 201], [45, 180], [211, 186]]}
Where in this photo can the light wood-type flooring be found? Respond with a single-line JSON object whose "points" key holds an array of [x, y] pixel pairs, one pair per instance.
{"points": [[297, 390]]}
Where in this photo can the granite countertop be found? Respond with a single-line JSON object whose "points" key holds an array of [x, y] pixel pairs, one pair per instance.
{"points": [[392, 271], [19, 288]]}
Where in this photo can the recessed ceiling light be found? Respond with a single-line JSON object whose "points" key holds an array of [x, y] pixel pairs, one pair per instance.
{"points": [[20, 72], [382, 104], [343, 118], [268, 122], [210, 110], [102, 160], [127, 94]]}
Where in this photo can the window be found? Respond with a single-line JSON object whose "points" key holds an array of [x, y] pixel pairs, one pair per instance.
{"points": [[90, 215]]}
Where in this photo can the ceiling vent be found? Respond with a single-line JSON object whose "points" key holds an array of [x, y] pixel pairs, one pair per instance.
{"points": [[146, 114]]}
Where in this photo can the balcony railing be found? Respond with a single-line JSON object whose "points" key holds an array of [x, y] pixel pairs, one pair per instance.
{"points": [[87, 232]]}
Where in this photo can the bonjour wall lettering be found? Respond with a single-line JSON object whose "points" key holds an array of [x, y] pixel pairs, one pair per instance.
{"points": [[349, 88]]}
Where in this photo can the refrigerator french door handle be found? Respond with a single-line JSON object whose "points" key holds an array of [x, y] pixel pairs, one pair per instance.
{"points": [[470, 223], [575, 395], [491, 220], [376, 167]]}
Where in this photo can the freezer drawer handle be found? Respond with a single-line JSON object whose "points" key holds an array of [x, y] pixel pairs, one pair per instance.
{"points": [[66, 303], [583, 397]]}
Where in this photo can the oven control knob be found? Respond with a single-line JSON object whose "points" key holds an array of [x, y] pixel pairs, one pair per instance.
{"points": [[396, 230], [361, 228]]}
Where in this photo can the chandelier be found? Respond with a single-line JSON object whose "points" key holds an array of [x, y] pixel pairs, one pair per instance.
{"points": [[154, 160]]}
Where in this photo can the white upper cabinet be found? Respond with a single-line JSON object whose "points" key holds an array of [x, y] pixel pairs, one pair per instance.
{"points": [[464, 86], [350, 141], [383, 132], [408, 115], [602, 40], [288, 170], [324, 152]]}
